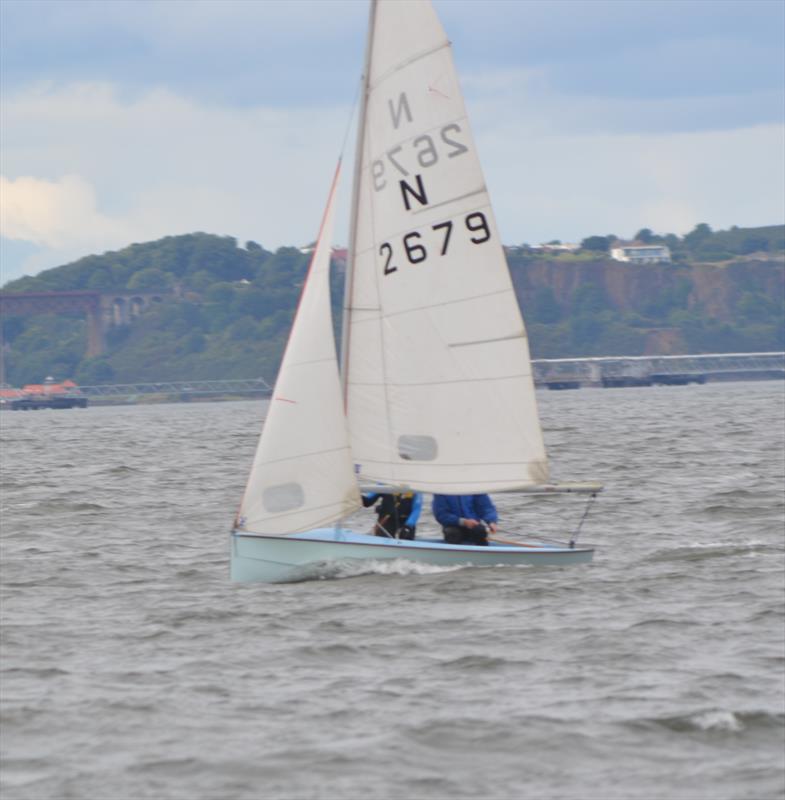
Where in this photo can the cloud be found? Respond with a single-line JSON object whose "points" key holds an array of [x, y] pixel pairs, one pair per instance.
{"points": [[573, 186], [154, 163], [57, 213], [46, 223], [532, 98], [567, 166]]}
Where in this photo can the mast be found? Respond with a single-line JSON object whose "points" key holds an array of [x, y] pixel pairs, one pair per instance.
{"points": [[358, 159]]}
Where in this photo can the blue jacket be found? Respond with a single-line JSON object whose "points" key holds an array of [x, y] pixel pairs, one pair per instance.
{"points": [[448, 509]]}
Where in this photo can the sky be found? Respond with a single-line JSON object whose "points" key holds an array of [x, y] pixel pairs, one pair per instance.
{"points": [[123, 121]]}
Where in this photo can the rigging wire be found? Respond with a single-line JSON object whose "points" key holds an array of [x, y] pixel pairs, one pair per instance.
{"points": [[561, 543], [353, 111], [575, 535]]}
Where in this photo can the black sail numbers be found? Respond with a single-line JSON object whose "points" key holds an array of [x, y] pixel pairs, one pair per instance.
{"points": [[433, 241]]}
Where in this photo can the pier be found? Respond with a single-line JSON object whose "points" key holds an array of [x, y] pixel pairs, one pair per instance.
{"points": [[619, 371], [550, 373]]}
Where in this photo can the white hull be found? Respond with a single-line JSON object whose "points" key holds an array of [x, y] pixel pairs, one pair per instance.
{"points": [[274, 559]]}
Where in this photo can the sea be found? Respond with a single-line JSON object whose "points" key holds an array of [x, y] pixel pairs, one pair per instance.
{"points": [[133, 668]]}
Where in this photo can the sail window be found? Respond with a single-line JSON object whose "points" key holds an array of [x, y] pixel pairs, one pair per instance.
{"points": [[417, 448], [284, 497]]}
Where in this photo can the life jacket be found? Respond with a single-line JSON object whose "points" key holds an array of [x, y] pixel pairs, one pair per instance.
{"points": [[396, 508]]}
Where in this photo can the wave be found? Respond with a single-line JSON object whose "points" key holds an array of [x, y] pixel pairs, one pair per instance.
{"points": [[739, 511], [736, 493], [176, 766], [60, 507], [36, 672], [718, 721], [123, 469], [481, 663], [700, 552], [329, 650], [661, 622]]}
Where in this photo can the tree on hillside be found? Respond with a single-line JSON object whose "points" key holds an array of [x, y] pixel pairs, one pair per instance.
{"points": [[221, 293], [600, 244], [700, 233], [220, 256], [100, 279], [149, 280]]}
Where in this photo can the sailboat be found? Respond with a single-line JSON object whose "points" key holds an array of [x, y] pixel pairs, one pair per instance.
{"points": [[435, 391]]}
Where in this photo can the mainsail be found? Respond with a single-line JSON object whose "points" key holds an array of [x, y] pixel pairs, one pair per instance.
{"points": [[437, 377], [302, 475]]}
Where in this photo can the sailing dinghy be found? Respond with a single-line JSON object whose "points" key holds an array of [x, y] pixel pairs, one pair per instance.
{"points": [[435, 394]]}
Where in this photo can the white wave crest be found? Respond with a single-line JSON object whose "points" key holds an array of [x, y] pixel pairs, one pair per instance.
{"points": [[718, 721], [394, 566]]}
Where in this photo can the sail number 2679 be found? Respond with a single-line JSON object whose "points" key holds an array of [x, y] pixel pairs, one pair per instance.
{"points": [[475, 223]]}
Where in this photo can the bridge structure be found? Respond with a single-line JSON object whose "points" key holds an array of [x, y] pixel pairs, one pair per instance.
{"points": [[102, 310], [611, 371], [15, 304]]}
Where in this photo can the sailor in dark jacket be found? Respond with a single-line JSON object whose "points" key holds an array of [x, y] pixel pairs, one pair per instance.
{"points": [[397, 513], [465, 518]]}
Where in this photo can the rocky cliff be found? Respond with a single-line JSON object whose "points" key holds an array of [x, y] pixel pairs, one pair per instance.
{"points": [[712, 289]]}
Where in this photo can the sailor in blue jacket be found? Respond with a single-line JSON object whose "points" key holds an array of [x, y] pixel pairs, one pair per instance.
{"points": [[465, 518]]}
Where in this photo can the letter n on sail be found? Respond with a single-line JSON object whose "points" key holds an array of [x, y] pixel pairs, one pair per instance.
{"points": [[398, 113], [418, 194]]}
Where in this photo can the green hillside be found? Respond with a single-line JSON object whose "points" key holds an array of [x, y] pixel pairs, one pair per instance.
{"points": [[229, 307], [230, 320]]}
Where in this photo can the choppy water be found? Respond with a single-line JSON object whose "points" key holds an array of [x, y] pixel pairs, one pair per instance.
{"points": [[132, 668]]}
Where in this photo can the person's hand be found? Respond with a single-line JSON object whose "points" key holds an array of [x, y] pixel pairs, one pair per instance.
{"points": [[407, 532], [471, 523], [492, 526]]}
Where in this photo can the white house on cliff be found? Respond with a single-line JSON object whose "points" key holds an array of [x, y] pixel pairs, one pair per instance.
{"points": [[639, 253]]}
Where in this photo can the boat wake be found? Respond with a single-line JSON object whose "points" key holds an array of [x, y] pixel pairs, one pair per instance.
{"points": [[337, 570]]}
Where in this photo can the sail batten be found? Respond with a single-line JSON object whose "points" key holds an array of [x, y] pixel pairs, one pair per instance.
{"points": [[424, 306], [377, 83], [454, 381], [306, 454], [481, 191]]}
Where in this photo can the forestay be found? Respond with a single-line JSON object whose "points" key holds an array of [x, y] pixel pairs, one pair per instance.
{"points": [[302, 476], [438, 383]]}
